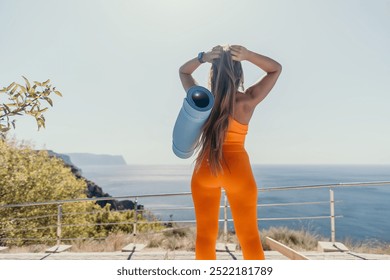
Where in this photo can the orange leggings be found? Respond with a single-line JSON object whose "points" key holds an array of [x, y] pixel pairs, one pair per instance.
{"points": [[241, 190]]}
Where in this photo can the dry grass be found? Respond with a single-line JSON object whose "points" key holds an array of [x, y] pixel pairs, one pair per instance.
{"points": [[184, 239], [301, 240], [113, 243], [368, 247], [29, 249]]}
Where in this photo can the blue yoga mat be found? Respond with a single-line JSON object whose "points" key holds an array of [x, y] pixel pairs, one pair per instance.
{"points": [[193, 114]]}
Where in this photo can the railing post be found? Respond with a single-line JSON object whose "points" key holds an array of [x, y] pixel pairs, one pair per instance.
{"points": [[225, 222], [135, 216], [59, 226], [332, 217]]}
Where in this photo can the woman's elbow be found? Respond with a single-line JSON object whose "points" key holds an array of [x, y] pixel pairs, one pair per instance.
{"points": [[182, 70], [278, 67]]}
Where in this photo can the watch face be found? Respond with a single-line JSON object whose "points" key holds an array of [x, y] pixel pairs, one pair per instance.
{"points": [[200, 57]]}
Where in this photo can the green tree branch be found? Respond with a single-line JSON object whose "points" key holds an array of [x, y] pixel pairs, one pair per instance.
{"points": [[18, 100]]}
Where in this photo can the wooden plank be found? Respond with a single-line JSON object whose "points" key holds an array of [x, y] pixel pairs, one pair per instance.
{"points": [[284, 250], [58, 249]]}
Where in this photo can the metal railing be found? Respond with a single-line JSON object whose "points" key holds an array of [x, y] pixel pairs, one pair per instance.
{"points": [[59, 204]]}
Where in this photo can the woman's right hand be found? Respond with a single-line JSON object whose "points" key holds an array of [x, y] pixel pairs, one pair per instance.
{"points": [[213, 54], [239, 53]]}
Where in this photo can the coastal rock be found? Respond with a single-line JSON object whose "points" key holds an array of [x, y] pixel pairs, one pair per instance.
{"points": [[93, 190]]}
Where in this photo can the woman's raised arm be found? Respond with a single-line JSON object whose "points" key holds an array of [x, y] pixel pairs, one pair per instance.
{"points": [[186, 70], [261, 88]]}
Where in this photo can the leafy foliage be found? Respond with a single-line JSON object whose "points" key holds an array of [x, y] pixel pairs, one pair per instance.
{"points": [[34, 176], [24, 100]]}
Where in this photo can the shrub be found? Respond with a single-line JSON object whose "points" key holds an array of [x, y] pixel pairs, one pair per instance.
{"points": [[33, 176]]}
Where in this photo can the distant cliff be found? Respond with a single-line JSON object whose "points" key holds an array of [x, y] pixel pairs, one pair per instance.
{"points": [[80, 159], [65, 158]]}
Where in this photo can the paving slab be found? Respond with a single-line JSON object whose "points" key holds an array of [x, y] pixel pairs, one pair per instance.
{"points": [[58, 249], [133, 247], [226, 247], [325, 246]]}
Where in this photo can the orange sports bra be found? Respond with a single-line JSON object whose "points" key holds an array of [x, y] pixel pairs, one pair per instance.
{"points": [[236, 133]]}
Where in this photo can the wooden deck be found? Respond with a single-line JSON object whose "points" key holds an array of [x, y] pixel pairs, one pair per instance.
{"points": [[152, 254]]}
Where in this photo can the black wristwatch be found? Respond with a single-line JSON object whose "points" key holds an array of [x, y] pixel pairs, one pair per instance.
{"points": [[200, 57]]}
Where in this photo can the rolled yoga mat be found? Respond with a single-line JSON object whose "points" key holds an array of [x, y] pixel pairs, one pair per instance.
{"points": [[193, 114]]}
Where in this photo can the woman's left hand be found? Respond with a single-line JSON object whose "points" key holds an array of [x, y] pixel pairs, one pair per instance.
{"points": [[239, 53]]}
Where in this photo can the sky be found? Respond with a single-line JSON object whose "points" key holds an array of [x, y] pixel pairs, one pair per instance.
{"points": [[116, 63]]}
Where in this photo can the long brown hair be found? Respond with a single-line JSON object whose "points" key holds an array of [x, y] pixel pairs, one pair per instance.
{"points": [[226, 77]]}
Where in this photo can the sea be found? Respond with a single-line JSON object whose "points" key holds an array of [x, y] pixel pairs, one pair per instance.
{"points": [[363, 212]]}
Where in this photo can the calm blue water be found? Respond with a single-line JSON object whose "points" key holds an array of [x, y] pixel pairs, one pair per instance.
{"points": [[365, 210]]}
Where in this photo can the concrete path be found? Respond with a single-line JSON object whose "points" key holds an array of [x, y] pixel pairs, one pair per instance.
{"points": [[152, 254]]}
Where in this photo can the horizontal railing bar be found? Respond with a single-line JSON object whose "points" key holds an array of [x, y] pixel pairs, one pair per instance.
{"points": [[178, 208], [165, 222], [220, 220], [294, 203], [170, 222], [162, 209], [28, 229], [161, 222], [56, 202], [66, 225], [261, 219], [96, 212], [172, 208], [29, 239], [258, 205], [54, 239], [289, 218], [320, 186], [97, 238], [297, 218], [66, 214], [86, 238], [29, 218]]}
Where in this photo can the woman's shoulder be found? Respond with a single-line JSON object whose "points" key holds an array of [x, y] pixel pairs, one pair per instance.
{"points": [[243, 108], [243, 99]]}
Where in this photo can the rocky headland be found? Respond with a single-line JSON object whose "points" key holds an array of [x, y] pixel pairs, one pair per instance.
{"points": [[93, 190]]}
